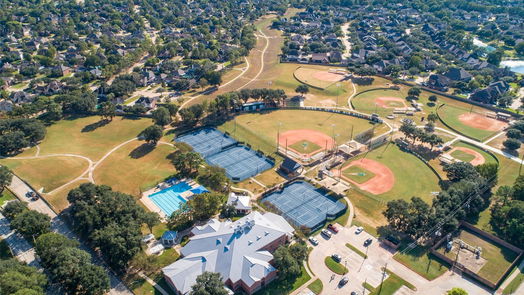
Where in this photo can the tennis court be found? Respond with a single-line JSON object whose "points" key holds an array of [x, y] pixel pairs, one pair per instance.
{"points": [[207, 141], [305, 205], [218, 149]]}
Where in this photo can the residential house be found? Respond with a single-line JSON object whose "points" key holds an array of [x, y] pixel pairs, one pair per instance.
{"points": [[239, 251], [147, 102], [322, 58], [438, 82], [490, 94], [458, 74], [242, 203]]}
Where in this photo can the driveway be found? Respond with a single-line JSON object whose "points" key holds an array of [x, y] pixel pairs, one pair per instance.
{"points": [[369, 270]]}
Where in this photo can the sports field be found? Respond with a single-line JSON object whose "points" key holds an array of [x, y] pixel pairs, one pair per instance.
{"points": [[358, 174], [411, 176], [380, 101], [260, 129], [318, 78], [471, 122], [469, 153], [305, 147]]}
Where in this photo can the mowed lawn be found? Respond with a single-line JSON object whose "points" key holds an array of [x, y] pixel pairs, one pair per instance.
{"points": [[305, 147], [412, 176], [450, 116], [47, 173], [87, 137], [498, 258], [135, 167], [357, 174], [261, 129]]}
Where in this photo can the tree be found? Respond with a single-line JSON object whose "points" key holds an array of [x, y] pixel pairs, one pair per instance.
{"points": [[172, 108], [457, 291], [186, 163], [107, 110], [31, 223], [21, 279], [433, 98], [489, 171], [514, 133], [287, 266], [161, 116], [414, 92], [519, 48], [5, 177], [151, 219], [152, 134], [206, 205], [214, 78], [460, 170], [432, 117], [208, 283], [12, 209], [302, 89], [518, 188], [495, 57], [511, 144], [215, 178], [411, 218]]}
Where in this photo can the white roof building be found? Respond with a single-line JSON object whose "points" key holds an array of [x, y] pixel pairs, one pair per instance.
{"points": [[241, 202], [240, 251]]}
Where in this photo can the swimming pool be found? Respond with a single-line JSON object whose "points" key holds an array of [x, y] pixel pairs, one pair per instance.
{"points": [[170, 199]]}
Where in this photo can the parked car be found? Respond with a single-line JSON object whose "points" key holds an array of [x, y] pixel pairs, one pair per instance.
{"points": [[31, 195], [343, 281], [359, 230], [354, 293], [336, 257], [333, 228], [313, 241], [326, 233], [368, 242]]}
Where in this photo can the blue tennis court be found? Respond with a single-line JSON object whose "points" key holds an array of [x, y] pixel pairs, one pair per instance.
{"points": [[305, 205], [218, 149], [207, 141], [240, 162]]}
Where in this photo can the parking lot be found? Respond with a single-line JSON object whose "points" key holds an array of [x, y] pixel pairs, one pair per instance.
{"points": [[370, 270]]}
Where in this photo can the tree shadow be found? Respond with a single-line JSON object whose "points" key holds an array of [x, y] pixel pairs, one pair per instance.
{"points": [[142, 150], [92, 127]]}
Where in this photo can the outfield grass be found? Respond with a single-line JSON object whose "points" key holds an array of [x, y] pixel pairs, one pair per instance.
{"points": [[422, 262], [412, 176], [368, 211], [358, 174], [6, 195], [47, 173], [135, 167], [279, 287], [450, 115], [365, 102], [305, 147], [335, 266], [498, 258], [316, 287], [261, 129]]}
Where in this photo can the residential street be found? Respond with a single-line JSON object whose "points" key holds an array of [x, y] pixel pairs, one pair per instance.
{"points": [[58, 225]]}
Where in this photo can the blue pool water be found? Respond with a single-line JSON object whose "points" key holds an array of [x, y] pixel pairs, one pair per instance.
{"points": [[169, 199]]}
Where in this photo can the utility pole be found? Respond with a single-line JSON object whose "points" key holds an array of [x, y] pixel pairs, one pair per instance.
{"points": [[520, 166]]}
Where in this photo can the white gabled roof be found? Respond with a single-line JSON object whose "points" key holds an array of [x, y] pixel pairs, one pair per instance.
{"points": [[233, 249]]}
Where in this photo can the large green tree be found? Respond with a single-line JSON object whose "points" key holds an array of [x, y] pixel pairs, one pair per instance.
{"points": [[161, 116], [208, 283], [31, 224], [5, 177], [18, 278]]}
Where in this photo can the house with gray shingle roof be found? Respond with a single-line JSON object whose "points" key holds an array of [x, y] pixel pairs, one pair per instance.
{"points": [[239, 251]]}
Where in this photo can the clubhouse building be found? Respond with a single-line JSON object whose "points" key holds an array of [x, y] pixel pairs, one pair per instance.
{"points": [[239, 251]]}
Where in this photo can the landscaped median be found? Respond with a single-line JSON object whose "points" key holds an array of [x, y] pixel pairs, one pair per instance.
{"points": [[390, 285], [335, 266], [354, 249], [316, 287]]}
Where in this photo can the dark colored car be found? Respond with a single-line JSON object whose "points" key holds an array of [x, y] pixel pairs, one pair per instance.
{"points": [[336, 257], [333, 228], [343, 281], [368, 242]]}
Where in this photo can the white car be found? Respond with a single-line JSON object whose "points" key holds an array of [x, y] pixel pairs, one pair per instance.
{"points": [[326, 233], [313, 241], [359, 230]]}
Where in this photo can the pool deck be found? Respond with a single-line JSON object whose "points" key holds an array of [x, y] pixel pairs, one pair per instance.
{"points": [[151, 206]]}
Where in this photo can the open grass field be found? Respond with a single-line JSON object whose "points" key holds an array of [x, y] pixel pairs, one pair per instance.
{"points": [[47, 173], [422, 262], [498, 258], [451, 116], [135, 167], [260, 129], [463, 156], [487, 157], [58, 199], [305, 147], [88, 137], [412, 176], [357, 174]]}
